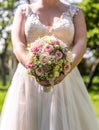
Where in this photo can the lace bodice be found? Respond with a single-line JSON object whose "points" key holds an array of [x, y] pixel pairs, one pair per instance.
{"points": [[63, 29]]}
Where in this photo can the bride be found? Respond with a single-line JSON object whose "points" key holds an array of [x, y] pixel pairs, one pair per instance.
{"points": [[68, 106]]}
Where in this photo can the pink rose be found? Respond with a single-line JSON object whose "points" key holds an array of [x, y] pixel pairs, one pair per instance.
{"points": [[56, 42], [29, 65], [35, 50], [58, 54], [39, 43], [39, 71], [66, 68], [48, 48]]}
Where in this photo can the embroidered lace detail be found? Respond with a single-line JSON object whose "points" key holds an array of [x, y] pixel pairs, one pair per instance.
{"points": [[62, 29], [74, 10]]}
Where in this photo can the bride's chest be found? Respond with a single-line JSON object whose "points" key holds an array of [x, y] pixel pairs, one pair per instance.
{"points": [[62, 28]]}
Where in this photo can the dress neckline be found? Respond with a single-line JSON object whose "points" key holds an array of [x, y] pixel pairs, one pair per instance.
{"points": [[50, 28]]}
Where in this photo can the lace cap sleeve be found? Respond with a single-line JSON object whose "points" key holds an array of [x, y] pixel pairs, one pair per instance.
{"points": [[74, 9], [25, 9]]}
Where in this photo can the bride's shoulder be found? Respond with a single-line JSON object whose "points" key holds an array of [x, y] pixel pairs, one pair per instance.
{"points": [[23, 9], [72, 9]]}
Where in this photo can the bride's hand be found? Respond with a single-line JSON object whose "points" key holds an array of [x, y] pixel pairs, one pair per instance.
{"points": [[57, 80]]}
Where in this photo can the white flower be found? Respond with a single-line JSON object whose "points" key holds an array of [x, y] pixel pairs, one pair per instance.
{"points": [[44, 58], [63, 45], [69, 57], [29, 57]]}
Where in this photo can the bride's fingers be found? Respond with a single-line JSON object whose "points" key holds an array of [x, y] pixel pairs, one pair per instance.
{"points": [[59, 79], [45, 83]]}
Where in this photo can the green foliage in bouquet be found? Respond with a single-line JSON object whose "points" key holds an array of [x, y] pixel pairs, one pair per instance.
{"points": [[48, 58]]}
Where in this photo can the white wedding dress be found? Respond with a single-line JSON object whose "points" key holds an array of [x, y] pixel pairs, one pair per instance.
{"points": [[67, 107]]}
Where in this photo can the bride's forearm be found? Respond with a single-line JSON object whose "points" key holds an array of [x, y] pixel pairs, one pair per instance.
{"points": [[78, 51], [19, 49]]}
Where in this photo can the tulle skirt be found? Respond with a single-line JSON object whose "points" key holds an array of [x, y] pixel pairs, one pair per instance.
{"points": [[67, 107]]}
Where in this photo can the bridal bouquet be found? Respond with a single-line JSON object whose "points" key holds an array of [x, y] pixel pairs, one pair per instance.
{"points": [[48, 58]]}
